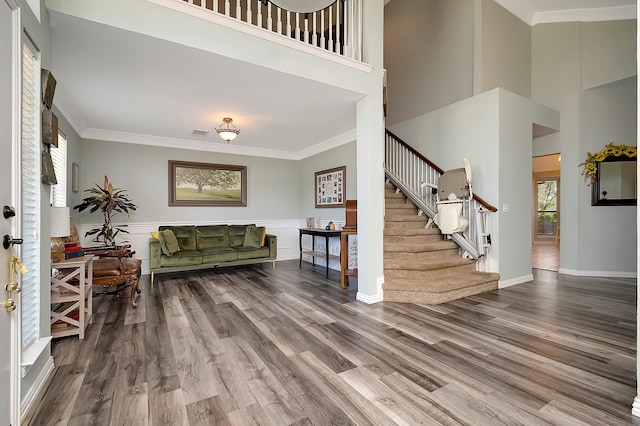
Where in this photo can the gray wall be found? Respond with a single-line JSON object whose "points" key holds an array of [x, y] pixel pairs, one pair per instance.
{"points": [[505, 52], [344, 155], [438, 52], [607, 114], [428, 55], [272, 184], [563, 63]]}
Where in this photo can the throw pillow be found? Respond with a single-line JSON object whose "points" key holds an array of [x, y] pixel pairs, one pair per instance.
{"points": [[154, 234], [168, 242], [253, 236], [264, 236]]}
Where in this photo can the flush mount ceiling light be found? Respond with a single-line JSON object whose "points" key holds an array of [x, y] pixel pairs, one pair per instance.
{"points": [[303, 6], [227, 130]]}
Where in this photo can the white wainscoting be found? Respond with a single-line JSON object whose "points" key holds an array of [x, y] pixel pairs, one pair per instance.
{"points": [[286, 230]]}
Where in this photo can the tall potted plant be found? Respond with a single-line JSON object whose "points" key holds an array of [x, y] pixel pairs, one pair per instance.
{"points": [[110, 201]]}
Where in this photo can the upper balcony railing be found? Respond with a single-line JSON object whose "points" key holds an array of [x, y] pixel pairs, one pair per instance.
{"points": [[336, 29]]}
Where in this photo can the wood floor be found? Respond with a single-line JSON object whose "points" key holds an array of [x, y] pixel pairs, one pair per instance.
{"points": [[545, 256], [252, 345]]}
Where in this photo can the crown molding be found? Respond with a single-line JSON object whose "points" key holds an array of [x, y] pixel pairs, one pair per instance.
{"points": [[523, 10], [208, 146], [617, 13]]}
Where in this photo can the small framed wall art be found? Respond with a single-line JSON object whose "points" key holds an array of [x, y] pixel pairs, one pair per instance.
{"points": [[75, 177], [331, 187]]}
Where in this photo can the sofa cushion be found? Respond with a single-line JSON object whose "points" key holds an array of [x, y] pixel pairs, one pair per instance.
{"points": [[254, 236], [186, 236], [212, 236], [168, 242], [182, 258], [245, 253], [219, 255], [236, 234]]}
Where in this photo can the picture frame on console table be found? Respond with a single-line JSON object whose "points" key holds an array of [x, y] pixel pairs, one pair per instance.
{"points": [[330, 187], [206, 184]]}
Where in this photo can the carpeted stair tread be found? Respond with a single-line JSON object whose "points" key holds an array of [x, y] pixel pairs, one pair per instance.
{"points": [[403, 209], [413, 224], [426, 276], [420, 247], [404, 217], [439, 285], [410, 264], [410, 232], [412, 239], [426, 296]]}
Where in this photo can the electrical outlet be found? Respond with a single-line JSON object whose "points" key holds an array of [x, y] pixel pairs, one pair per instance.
{"points": [[505, 208]]}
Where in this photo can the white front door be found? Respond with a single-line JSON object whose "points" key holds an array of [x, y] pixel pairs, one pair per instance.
{"points": [[9, 398]]}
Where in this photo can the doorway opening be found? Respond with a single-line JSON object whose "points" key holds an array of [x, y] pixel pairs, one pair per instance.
{"points": [[546, 215]]}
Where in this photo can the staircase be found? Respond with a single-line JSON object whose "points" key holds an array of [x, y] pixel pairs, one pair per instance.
{"points": [[420, 266]]}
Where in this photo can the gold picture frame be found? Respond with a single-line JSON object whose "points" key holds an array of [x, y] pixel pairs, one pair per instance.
{"points": [[205, 184], [330, 187]]}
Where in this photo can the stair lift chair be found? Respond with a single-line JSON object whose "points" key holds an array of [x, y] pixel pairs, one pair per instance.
{"points": [[452, 192]]}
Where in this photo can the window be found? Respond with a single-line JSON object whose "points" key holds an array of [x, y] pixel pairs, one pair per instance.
{"points": [[30, 194], [59, 158]]}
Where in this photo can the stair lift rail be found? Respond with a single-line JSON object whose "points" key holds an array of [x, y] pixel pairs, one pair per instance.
{"points": [[408, 170]]}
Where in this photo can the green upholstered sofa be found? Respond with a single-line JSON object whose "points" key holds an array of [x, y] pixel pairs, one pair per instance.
{"points": [[209, 246]]}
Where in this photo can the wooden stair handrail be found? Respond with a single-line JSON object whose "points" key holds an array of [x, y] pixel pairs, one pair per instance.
{"points": [[480, 201]]}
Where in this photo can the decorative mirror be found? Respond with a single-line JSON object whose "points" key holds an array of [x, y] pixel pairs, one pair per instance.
{"points": [[615, 182]]}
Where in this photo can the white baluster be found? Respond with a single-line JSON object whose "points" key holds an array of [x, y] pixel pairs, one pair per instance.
{"points": [[269, 18], [330, 30], [306, 28], [227, 7], [279, 20], [297, 26], [215, 6], [288, 24], [322, 38], [250, 12], [338, 27], [238, 10], [314, 36]]}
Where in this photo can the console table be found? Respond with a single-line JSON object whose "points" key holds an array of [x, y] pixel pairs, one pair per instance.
{"points": [[71, 292], [317, 232]]}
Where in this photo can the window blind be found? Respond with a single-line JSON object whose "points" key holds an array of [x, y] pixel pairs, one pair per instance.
{"points": [[59, 158], [30, 194]]}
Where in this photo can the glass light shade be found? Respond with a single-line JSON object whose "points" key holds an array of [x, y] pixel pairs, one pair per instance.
{"points": [[227, 130], [60, 227], [228, 135], [60, 223]]}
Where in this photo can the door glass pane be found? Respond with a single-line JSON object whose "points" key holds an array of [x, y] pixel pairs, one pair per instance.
{"points": [[547, 207]]}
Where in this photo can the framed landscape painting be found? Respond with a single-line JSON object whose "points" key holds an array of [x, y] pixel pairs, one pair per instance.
{"points": [[331, 187], [205, 184]]}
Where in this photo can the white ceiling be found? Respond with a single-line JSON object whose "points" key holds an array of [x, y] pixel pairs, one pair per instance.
{"points": [[118, 85]]}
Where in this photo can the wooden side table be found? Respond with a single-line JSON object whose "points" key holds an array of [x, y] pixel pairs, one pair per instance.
{"points": [[317, 232], [71, 292], [345, 272]]}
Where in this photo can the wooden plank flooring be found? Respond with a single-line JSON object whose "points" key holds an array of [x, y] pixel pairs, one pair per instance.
{"points": [[260, 346]]}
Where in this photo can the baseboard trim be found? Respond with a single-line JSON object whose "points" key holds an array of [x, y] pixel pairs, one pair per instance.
{"points": [[635, 407], [515, 281], [602, 274], [369, 300], [39, 386]]}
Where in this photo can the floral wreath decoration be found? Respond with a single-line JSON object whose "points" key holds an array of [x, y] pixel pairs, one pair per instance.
{"points": [[609, 151]]}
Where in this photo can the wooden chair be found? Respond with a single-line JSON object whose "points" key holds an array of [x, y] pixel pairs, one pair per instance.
{"points": [[117, 268]]}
